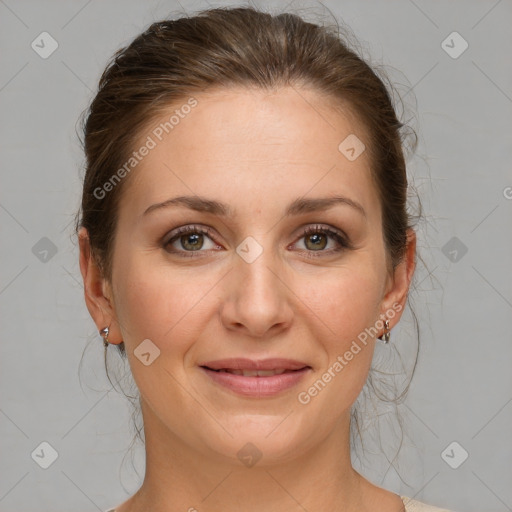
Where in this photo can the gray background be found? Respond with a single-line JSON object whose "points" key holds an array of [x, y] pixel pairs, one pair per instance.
{"points": [[462, 390]]}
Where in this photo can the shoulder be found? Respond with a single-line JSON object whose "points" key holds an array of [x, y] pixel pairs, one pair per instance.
{"points": [[417, 506]]}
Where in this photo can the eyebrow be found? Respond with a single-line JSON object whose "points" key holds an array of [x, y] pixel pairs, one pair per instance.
{"points": [[297, 207]]}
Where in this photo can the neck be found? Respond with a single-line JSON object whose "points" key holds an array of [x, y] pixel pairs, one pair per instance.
{"points": [[179, 477]]}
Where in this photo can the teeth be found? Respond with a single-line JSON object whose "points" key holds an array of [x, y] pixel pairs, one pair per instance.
{"points": [[256, 373]]}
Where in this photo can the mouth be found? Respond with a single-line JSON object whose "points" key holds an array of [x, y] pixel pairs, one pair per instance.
{"points": [[274, 364], [255, 373], [256, 378]]}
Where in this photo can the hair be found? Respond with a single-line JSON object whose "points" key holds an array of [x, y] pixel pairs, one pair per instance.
{"points": [[236, 47]]}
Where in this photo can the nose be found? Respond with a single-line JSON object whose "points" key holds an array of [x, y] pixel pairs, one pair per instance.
{"points": [[257, 298]]}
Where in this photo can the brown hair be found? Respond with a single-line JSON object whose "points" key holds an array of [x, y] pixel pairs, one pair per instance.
{"points": [[227, 47]]}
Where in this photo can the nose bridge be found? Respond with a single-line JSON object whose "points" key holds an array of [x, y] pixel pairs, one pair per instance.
{"points": [[256, 269], [258, 298]]}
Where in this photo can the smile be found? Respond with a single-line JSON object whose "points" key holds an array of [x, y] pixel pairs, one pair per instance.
{"points": [[255, 378]]}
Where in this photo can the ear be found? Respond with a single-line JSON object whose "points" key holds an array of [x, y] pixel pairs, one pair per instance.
{"points": [[398, 283], [97, 291]]}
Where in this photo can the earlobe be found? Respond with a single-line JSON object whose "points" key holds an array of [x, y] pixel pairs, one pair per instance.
{"points": [[95, 288]]}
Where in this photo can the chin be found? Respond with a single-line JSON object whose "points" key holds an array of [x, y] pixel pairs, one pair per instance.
{"points": [[259, 440]]}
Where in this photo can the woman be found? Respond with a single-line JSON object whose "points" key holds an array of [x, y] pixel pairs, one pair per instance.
{"points": [[244, 241]]}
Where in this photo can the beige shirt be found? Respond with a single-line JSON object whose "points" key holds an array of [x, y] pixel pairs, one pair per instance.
{"points": [[417, 506], [410, 506]]}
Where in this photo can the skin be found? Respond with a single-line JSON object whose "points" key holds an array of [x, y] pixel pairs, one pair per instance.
{"points": [[255, 151]]}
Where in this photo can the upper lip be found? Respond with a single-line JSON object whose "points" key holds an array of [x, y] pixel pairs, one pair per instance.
{"points": [[241, 363]]}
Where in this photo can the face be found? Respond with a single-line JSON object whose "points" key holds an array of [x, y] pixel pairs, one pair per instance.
{"points": [[251, 266]]}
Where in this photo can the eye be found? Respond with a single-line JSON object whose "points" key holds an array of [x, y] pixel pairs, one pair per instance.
{"points": [[189, 239], [316, 240]]}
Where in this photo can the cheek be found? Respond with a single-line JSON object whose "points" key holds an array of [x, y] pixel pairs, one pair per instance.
{"points": [[157, 304], [154, 303], [341, 313], [346, 303]]}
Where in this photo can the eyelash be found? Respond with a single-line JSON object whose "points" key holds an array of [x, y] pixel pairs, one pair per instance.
{"points": [[342, 241]]}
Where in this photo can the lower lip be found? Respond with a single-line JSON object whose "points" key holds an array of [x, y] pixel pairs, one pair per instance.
{"points": [[257, 386]]}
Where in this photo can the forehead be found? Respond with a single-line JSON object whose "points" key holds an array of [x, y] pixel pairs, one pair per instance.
{"points": [[247, 145]]}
